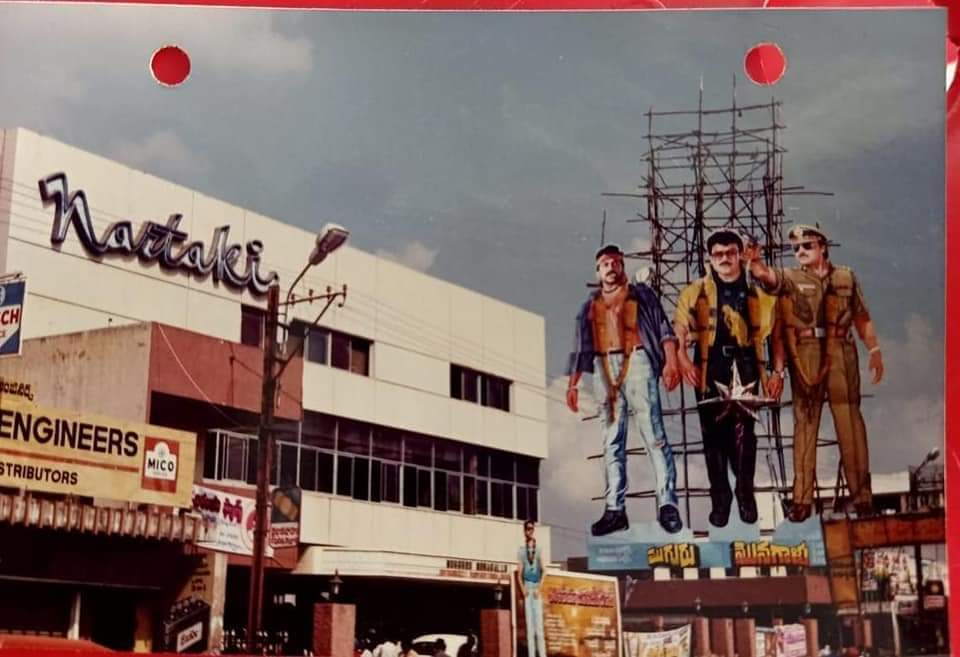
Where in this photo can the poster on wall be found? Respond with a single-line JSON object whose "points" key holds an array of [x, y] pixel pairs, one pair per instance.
{"points": [[791, 640], [569, 615], [231, 519], [668, 643]]}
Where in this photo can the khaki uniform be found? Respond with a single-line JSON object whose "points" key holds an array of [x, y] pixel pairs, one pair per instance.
{"points": [[816, 316]]}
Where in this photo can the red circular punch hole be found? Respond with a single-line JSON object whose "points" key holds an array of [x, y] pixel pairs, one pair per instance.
{"points": [[170, 66], [765, 63]]}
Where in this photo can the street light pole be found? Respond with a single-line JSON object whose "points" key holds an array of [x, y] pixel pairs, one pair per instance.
{"points": [[330, 238], [264, 461]]}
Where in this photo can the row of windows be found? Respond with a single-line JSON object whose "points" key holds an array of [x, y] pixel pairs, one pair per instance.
{"points": [[378, 464], [323, 346], [480, 388], [349, 352]]}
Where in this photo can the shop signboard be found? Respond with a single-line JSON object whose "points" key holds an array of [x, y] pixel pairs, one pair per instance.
{"points": [[578, 614], [231, 519], [75, 453], [13, 293]]}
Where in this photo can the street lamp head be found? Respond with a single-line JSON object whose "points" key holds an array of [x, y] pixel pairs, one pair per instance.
{"points": [[498, 592], [933, 454], [330, 238]]}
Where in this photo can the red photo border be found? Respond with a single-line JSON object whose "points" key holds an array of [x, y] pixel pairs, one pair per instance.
{"points": [[952, 153]]}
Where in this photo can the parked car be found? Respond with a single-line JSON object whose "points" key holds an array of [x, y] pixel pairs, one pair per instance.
{"points": [[426, 643]]}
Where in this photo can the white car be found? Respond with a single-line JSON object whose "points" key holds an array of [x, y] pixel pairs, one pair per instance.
{"points": [[425, 643]]}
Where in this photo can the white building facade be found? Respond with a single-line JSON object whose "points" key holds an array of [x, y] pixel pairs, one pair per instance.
{"points": [[424, 417]]}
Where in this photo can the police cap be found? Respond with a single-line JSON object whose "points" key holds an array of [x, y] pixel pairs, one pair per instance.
{"points": [[801, 231]]}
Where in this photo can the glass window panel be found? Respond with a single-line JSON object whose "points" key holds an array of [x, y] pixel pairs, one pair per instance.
{"points": [[361, 479], [340, 351], [409, 486], [417, 450], [296, 334], [308, 468], [522, 509], [325, 472], [391, 482], [360, 356], [251, 326], [476, 461], [440, 491], [253, 457], [471, 385], [528, 470], [496, 500], [318, 346], [387, 444], [376, 481], [469, 495], [210, 444], [453, 492], [483, 507], [501, 466], [354, 437], [424, 498], [318, 429], [344, 475], [288, 464], [533, 505], [447, 456], [456, 382], [234, 458]]}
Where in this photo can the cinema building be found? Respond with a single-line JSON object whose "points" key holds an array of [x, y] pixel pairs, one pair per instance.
{"points": [[409, 433]]}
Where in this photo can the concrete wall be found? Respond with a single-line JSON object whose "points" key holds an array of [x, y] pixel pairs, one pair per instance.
{"points": [[103, 372], [330, 520]]}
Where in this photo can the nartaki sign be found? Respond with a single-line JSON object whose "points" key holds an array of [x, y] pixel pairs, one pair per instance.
{"points": [[163, 243], [78, 454]]}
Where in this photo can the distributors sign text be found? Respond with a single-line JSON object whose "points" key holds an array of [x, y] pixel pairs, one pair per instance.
{"points": [[78, 454]]}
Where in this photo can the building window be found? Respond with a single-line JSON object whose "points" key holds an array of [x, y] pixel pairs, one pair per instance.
{"points": [[252, 320], [527, 504], [316, 347], [501, 499], [485, 389], [350, 353], [326, 347], [383, 465]]}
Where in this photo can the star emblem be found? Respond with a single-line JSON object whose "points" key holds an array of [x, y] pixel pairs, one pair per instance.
{"points": [[738, 395]]}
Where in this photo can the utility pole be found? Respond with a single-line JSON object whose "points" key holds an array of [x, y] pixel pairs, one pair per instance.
{"points": [[264, 463]]}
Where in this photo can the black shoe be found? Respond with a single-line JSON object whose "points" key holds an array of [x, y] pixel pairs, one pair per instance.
{"points": [[670, 519], [611, 521], [748, 509], [799, 512], [719, 518]]}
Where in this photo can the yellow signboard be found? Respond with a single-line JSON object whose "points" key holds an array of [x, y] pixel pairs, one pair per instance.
{"points": [[78, 454]]}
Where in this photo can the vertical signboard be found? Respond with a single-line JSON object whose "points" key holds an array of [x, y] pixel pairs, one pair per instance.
{"points": [[13, 292]]}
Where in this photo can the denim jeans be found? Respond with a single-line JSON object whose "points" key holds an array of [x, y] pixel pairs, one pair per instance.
{"points": [[637, 406], [533, 616]]}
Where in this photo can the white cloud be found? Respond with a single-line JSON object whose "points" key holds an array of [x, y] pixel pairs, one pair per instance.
{"points": [[163, 151], [415, 255]]}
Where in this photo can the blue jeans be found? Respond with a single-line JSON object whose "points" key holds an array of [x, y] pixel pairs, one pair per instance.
{"points": [[638, 404], [533, 616]]}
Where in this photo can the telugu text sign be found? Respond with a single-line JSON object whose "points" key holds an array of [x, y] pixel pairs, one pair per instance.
{"points": [[75, 453]]}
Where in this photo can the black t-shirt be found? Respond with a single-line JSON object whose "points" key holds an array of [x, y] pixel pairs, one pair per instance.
{"points": [[734, 295]]}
